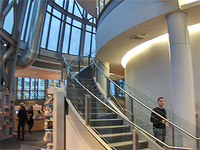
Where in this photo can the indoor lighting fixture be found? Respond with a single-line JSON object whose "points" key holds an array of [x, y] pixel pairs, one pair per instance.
{"points": [[146, 44], [4, 44], [184, 4]]}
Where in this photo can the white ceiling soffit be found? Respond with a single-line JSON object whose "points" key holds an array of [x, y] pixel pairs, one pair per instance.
{"points": [[89, 6]]}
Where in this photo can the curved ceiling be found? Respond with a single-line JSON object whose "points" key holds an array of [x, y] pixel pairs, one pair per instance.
{"points": [[124, 42]]}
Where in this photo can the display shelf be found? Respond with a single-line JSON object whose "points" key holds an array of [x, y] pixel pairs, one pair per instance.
{"points": [[6, 115], [54, 123]]}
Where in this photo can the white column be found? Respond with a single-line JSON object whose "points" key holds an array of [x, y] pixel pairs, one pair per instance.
{"points": [[181, 67]]}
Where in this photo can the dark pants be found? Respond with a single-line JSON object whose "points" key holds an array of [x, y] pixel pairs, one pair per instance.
{"points": [[30, 126], [21, 124], [160, 134]]}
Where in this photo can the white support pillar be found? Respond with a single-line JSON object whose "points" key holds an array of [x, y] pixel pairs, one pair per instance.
{"points": [[181, 67]]}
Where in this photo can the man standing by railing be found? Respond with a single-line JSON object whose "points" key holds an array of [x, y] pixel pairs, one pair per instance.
{"points": [[159, 127]]}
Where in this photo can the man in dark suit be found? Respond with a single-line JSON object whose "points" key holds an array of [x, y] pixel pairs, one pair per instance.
{"points": [[22, 115]]}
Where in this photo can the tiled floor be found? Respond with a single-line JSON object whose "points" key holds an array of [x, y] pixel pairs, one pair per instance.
{"points": [[35, 139]]}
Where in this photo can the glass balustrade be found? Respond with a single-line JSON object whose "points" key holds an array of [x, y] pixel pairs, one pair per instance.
{"points": [[107, 115]]}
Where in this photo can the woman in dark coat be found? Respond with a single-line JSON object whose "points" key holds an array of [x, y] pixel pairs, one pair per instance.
{"points": [[30, 121]]}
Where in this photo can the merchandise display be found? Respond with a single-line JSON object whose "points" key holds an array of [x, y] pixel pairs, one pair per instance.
{"points": [[6, 115], [48, 123]]}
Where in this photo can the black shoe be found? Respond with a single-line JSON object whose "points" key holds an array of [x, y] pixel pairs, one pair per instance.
{"points": [[22, 139], [29, 132]]}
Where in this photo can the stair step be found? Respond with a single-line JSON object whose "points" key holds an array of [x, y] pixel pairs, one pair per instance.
{"points": [[112, 129], [117, 137], [126, 145], [106, 122]]}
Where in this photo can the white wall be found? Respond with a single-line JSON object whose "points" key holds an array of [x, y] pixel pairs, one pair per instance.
{"points": [[150, 71], [128, 14]]}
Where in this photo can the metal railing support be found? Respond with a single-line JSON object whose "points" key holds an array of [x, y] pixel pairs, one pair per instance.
{"points": [[135, 140], [87, 111], [108, 88]]}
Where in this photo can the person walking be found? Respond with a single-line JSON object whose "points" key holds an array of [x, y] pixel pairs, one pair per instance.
{"points": [[22, 115], [30, 121], [159, 124]]}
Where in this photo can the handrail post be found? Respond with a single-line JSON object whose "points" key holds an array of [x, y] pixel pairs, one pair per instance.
{"points": [[135, 140], [108, 88], [87, 112]]}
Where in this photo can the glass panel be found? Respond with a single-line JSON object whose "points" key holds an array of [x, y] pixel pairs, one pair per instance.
{"points": [[26, 84], [9, 21], [49, 83], [49, 8], [54, 32], [32, 95], [93, 52], [69, 20], [77, 12], [75, 41], [29, 22], [66, 39], [41, 94], [88, 28], [45, 31], [59, 2], [41, 85], [70, 6], [32, 84], [26, 95], [19, 84], [87, 44], [77, 24], [56, 13], [19, 95], [25, 21]]}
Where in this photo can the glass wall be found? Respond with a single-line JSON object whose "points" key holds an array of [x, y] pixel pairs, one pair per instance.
{"points": [[68, 28], [30, 88]]}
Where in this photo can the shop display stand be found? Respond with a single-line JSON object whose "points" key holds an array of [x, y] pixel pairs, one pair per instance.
{"points": [[6, 115], [55, 102]]}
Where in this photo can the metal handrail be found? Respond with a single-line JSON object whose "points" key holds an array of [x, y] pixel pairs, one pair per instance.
{"points": [[171, 123], [137, 127]]}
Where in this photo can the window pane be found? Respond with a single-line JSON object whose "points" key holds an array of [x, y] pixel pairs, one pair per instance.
{"points": [[87, 44], [41, 85], [53, 36], [49, 8], [49, 83], [9, 21], [70, 7], [93, 52], [77, 24], [66, 39], [41, 94], [59, 2], [25, 21], [32, 84], [69, 20], [77, 12], [19, 94], [75, 41], [29, 22], [26, 84], [56, 13], [19, 84], [88, 28], [26, 95], [33, 95], [45, 31]]}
